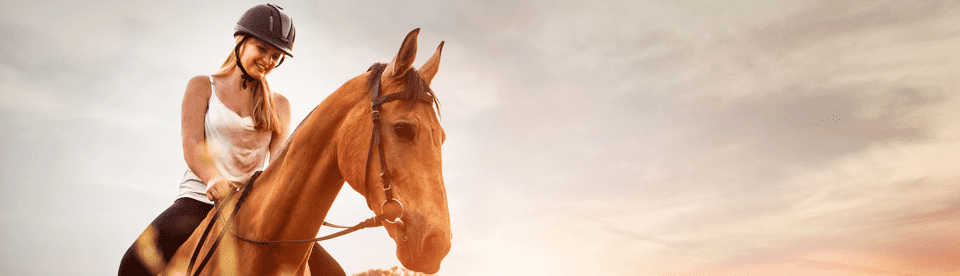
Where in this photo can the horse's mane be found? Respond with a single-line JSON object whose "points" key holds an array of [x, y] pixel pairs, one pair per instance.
{"points": [[415, 87]]}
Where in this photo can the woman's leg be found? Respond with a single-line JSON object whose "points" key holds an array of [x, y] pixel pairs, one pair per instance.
{"points": [[322, 264], [164, 235]]}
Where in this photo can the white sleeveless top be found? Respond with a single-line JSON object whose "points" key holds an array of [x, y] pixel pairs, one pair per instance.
{"points": [[237, 148]]}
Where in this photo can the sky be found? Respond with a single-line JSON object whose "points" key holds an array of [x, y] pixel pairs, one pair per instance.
{"points": [[583, 137]]}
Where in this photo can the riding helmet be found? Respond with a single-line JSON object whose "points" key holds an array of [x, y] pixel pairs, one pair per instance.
{"points": [[268, 23]]}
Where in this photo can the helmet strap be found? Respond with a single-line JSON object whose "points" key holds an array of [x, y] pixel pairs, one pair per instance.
{"points": [[279, 62], [244, 77]]}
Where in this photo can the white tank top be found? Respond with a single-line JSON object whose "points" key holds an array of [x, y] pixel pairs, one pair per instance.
{"points": [[237, 148]]}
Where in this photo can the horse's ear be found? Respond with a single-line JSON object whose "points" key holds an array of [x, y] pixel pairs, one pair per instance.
{"points": [[429, 69], [404, 59]]}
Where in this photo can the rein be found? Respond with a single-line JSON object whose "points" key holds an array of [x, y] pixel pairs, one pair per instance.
{"points": [[214, 219], [371, 222], [390, 203]]}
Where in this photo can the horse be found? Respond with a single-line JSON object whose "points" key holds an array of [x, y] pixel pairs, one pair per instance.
{"points": [[289, 200]]}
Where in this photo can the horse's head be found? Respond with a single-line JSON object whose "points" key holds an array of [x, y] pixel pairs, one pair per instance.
{"points": [[410, 137]]}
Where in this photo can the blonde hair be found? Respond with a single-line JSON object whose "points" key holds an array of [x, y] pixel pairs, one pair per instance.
{"points": [[265, 116]]}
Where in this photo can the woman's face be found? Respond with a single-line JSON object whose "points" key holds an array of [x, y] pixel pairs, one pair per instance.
{"points": [[258, 57]]}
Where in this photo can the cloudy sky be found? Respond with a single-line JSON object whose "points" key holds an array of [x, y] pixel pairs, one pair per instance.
{"points": [[584, 137]]}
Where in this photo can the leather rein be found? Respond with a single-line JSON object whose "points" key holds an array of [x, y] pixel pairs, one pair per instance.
{"points": [[395, 216]]}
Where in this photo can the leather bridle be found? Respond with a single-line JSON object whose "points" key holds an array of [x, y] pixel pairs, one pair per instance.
{"points": [[390, 203]]}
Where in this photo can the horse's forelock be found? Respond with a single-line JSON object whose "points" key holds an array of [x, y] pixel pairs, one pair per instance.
{"points": [[415, 87]]}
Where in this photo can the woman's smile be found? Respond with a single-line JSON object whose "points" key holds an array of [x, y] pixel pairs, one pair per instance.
{"points": [[263, 69]]}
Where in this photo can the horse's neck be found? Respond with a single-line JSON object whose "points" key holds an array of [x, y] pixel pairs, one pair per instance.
{"points": [[293, 195]]}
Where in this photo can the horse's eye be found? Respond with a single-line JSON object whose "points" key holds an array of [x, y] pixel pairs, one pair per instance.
{"points": [[405, 131]]}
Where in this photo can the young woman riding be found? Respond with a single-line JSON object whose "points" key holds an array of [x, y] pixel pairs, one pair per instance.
{"points": [[231, 122]]}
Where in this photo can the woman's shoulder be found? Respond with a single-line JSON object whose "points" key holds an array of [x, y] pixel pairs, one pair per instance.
{"points": [[282, 106], [200, 81], [281, 100], [199, 86]]}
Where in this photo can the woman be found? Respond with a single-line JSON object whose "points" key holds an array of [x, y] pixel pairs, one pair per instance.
{"points": [[231, 121]]}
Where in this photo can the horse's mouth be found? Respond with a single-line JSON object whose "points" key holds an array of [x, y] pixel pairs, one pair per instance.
{"points": [[422, 265], [422, 253]]}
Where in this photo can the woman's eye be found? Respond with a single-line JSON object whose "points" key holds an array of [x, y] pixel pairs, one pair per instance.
{"points": [[405, 131], [261, 48]]}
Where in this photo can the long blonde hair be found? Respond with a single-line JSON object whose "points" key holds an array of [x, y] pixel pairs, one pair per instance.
{"points": [[265, 116]]}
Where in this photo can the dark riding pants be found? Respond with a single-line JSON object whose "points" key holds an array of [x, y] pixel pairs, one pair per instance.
{"points": [[175, 225]]}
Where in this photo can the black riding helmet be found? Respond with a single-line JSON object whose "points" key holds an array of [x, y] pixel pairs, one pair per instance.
{"points": [[271, 25]]}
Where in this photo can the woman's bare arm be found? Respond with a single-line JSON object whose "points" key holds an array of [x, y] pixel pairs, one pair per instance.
{"points": [[193, 112]]}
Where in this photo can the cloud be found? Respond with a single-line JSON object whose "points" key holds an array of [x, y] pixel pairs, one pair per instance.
{"points": [[90, 129], [783, 125]]}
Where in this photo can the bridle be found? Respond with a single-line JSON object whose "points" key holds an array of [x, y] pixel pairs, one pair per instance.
{"points": [[394, 205], [390, 203]]}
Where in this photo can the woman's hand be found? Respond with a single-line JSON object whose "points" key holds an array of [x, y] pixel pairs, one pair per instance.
{"points": [[219, 188]]}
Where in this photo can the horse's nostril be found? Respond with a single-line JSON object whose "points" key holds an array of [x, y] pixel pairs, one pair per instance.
{"points": [[436, 244]]}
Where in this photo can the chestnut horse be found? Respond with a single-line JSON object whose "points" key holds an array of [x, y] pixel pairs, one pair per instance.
{"points": [[292, 196]]}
